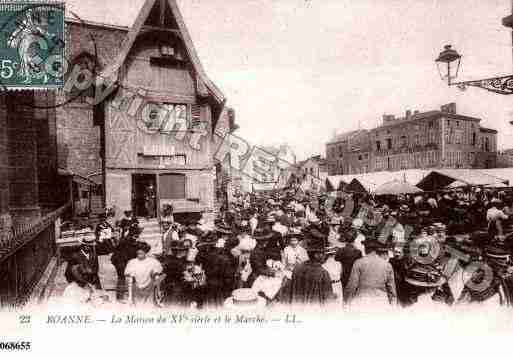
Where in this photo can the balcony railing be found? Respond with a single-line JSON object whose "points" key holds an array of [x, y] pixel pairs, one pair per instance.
{"points": [[25, 253]]}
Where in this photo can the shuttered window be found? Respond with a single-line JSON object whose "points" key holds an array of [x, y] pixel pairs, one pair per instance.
{"points": [[172, 186]]}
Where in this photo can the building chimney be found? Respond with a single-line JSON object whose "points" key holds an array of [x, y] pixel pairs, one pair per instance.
{"points": [[388, 118], [449, 108], [408, 114]]}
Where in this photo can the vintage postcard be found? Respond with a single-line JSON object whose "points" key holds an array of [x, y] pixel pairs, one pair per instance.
{"points": [[201, 177]]}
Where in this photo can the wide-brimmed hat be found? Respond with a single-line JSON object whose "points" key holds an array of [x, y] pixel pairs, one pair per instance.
{"points": [[220, 228], [497, 257], [245, 299], [316, 239], [424, 276], [87, 240], [294, 232], [269, 219], [262, 234], [207, 238], [376, 242]]}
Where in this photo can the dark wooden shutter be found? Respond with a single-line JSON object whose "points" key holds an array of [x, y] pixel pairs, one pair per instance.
{"points": [[195, 115], [172, 186]]}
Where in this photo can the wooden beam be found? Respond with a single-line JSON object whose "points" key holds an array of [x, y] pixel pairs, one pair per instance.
{"points": [[162, 12], [147, 28]]}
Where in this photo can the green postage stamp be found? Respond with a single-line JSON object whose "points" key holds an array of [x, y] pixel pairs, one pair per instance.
{"points": [[32, 46]]}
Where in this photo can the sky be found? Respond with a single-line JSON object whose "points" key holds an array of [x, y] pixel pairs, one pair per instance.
{"points": [[297, 71]]}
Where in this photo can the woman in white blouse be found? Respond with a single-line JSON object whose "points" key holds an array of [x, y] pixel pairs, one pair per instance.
{"points": [[334, 268], [293, 253]]}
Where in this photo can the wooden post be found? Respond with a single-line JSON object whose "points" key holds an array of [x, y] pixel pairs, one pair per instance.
{"points": [[130, 281]]}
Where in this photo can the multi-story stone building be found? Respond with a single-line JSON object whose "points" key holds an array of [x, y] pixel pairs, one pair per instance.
{"points": [[419, 140], [348, 153], [314, 166]]}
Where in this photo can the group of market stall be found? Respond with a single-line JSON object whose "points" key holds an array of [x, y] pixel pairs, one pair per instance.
{"points": [[419, 180]]}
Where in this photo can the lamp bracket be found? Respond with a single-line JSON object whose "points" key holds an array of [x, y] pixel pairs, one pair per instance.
{"points": [[501, 85]]}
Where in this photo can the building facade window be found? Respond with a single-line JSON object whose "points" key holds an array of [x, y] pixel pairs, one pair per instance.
{"points": [[166, 117], [378, 145], [389, 143], [404, 141]]}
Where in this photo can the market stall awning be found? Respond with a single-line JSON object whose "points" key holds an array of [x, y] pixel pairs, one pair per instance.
{"points": [[371, 180], [396, 187], [505, 174], [264, 186], [334, 183], [457, 184], [360, 185], [441, 178]]}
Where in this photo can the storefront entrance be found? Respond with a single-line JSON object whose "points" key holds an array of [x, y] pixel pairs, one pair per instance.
{"points": [[144, 195]]}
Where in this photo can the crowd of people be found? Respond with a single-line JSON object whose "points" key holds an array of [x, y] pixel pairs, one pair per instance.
{"points": [[342, 249]]}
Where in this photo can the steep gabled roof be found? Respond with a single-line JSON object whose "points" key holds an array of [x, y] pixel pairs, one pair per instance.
{"points": [[112, 70]]}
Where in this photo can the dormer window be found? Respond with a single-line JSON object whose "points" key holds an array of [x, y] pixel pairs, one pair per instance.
{"points": [[167, 51]]}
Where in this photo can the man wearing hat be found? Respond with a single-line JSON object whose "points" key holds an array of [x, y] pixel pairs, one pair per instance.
{"points": [[334, 234], [103, 232], [170, 234], [348, 254], [311, 283], [128, 220], [123, 253], [219, 269], [372, 277], [267, 247], [86, 256], [241, 254], [150, 201], [175, 266], [495, 216], [357, 225]]}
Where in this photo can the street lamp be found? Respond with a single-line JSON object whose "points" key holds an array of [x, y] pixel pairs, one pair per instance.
{"points": [[448, 63]]}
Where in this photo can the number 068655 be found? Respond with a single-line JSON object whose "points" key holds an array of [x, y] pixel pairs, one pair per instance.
{"points": [[14, 346]]}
